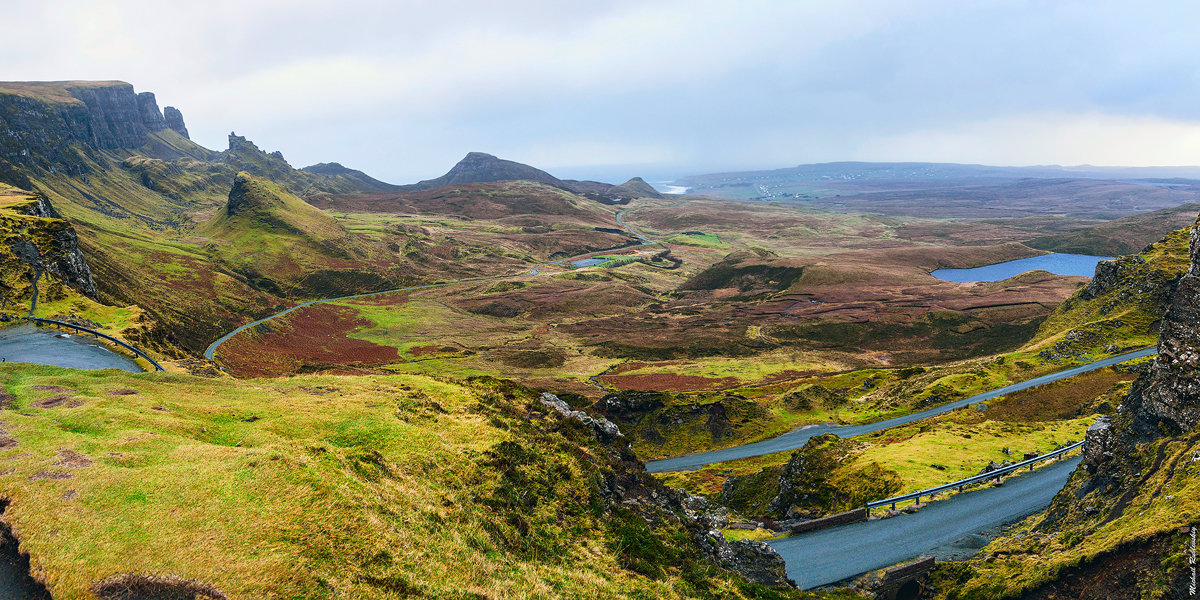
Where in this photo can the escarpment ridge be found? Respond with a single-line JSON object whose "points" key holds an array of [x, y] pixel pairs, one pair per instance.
{"points": [[44, 124]]}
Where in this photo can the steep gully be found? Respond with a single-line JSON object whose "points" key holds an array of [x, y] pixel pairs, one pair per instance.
{"points": [[825, 557]]}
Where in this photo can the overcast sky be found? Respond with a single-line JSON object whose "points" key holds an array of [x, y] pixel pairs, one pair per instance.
{"points": [[613, 89]]}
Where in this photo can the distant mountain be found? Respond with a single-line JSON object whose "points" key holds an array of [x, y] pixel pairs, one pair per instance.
{"points": [[892, 172], [356, 178], [480, 167], [634, 188]]}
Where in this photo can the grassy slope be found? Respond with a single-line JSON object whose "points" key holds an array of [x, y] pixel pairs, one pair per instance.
{"points": [[1127, 235], [322, 487]]}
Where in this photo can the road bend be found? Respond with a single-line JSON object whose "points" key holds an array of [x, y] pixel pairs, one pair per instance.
{"points": [[832, 555]]}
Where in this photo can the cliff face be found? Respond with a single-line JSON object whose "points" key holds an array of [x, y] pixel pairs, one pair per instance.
{"points": [[48, 125]]}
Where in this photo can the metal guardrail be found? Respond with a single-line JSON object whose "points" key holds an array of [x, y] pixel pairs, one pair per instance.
{"points": [[960, 484], [110, 338]]}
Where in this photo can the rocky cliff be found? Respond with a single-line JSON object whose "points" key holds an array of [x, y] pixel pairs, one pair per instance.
{"points": [[39, 251], [52, 126], [1165, 402]]}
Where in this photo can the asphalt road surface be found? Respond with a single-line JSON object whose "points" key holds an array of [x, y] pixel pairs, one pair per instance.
{"points": [[796, 438], [831, 555]]}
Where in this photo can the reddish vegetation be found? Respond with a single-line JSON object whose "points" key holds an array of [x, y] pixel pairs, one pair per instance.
{"points": [[668, 382], [313, 338]]}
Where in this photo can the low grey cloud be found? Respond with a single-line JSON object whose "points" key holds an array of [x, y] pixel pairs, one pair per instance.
{"points": [[614, 89]]}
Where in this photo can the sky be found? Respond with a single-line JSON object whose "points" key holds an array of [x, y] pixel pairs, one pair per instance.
{"points": [[609, 90]]}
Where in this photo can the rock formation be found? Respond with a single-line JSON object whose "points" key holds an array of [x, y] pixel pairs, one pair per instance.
{"points": [[174, 120], [152, 118], [39, 249]]}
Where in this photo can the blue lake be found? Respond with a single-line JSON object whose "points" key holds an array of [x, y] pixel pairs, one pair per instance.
{"points": [[1060, 264], [589, 262]]}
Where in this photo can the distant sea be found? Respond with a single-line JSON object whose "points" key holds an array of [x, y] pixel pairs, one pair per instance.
{"points": [[665, 187]]}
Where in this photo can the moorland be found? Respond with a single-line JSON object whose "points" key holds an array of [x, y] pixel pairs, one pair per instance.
{"points": [[381, 428]]}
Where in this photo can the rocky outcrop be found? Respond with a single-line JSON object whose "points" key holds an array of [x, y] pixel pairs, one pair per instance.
{"points": [[629, 406], [603, 430], [1097, 445], [1166, 401], [39, 253], [174, 121], [60, 256], [1163, 402], [755, 561], [630, 487]]}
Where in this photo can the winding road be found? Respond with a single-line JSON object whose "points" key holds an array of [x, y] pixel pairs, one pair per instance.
{"points": [[831, 555], [796, 438]]}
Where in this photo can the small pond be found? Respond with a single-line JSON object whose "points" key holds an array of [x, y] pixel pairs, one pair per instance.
{"points": [[30, 344], [1060, 264], [589, 262]]}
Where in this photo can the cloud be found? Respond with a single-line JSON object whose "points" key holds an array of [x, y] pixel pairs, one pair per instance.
{"points": [[401, 89], [1050, 138]]}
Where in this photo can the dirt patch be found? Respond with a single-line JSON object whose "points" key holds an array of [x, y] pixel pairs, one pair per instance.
{"points": [[668, 382], [72, 459], [125, 392], [140, 586], [51, 475], [7, 443], [52, 401], [6, 400]]}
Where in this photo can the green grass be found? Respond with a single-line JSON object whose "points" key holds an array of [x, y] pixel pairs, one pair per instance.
{"points": [[324, 487], [699, 240]]}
